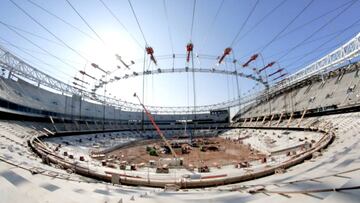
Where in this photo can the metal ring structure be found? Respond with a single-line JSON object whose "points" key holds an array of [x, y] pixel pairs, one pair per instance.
{"points": [[241, 100], [19, 68]]}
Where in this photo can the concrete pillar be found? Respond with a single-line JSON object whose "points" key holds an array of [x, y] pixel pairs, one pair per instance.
{"points": [[302, 116], [281, 115], [289, 121], [272, 117]]}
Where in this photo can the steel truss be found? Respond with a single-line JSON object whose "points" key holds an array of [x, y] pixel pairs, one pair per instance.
{"points": [[16, 66], [337, 58], [196, 70]]}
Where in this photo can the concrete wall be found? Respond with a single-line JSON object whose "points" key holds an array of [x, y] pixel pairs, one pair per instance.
{"points": [[25, 94]]}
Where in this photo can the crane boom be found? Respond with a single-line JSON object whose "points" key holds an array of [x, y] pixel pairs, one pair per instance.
{"points": [[148, 114]]}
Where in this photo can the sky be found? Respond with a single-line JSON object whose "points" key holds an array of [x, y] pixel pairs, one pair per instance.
{"points": [[293, 33]]}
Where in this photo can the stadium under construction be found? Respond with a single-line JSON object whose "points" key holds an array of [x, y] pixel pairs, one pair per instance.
{"points": [[293, 137]]}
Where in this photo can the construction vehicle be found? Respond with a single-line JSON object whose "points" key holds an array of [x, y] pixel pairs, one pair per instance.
{"points": [[204, 169], [162, 169], [123, 165], [185, 149], [157, 128]]}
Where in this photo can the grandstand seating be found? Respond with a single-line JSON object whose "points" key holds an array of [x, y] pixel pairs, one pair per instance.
{"points": [[336, 89], [267, 126], [333, 168]]}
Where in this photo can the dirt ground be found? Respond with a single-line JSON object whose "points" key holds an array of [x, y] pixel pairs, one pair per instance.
{"points": [[229, 152]]}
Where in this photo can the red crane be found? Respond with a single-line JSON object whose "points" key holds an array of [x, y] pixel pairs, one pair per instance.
{"points": [[81, 80], [98, 67], [252, 58], [267, 66], [279, 70], [227, 51], [282, 75], [84, 73], [156, 127], [79, 85], [123, 62], [150, 51], [189, 49]]}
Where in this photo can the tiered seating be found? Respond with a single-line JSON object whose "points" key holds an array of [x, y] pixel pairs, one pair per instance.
{"points": [[268, 141], [339, 89]]}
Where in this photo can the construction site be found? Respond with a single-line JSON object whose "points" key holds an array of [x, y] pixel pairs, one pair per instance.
{"points": [[215, 152], [179, 101]]}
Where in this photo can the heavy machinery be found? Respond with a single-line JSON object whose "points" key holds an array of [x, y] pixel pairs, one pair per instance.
{"points": [[163, 169], [157, 128]]}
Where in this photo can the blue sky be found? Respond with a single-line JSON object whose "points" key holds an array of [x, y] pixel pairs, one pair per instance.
{"points": [[209, 38]]}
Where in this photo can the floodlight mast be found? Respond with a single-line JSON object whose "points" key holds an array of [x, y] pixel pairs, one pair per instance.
{"points": [[156, 127]]}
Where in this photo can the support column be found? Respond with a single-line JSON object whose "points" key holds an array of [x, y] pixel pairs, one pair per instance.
{"points": [[257, 119], [77, 125], [53, 123], [87, 125], [244, 122], [262, 123], [65, 127], [302, 116], [96, 125], [289, 121], [250, 121], [272, 117], [281, 115]]}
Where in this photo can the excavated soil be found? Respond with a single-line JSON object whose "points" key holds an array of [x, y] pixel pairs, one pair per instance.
{"points": [[229, 152]]}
